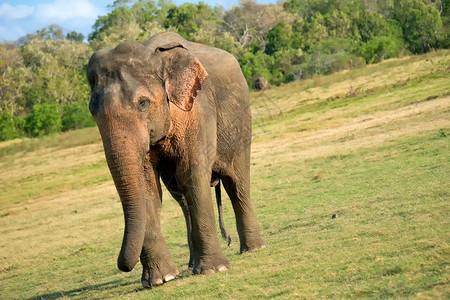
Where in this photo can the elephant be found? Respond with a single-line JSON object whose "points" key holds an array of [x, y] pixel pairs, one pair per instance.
{"points": [[174, 111]]}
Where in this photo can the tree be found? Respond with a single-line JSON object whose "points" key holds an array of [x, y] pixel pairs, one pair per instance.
{"points": [[190, 18], [279, 37], [75, 36], [315, 31], [14, 76], [422, 25], [51, 32], [57, 71], [371, 25], [445, 16], [129, 21], [118, 16], [250, 22], [339, 24], [308, 8]]}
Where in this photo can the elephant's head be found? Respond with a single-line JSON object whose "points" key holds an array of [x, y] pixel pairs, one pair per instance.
{"points": [[132, 88]]}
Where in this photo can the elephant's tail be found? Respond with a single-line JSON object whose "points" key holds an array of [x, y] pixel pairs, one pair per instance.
{"points": [[223, 231]]}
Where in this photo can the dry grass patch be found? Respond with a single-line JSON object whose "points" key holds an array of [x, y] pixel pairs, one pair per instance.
{"points": [[351, 134]]}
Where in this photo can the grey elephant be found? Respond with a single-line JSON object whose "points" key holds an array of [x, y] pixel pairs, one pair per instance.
{"points": [[174, 111]]}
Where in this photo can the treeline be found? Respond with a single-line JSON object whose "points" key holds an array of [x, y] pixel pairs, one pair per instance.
{"points": [[44, 87]]}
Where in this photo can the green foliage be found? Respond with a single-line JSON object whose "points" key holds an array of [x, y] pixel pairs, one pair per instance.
{"points": [[314, 31], [371, 25], [255, 65], [189, 18], [120, 14], [14, 77], [51, 32], [43, 120], [76, 115], [422, 25], [227, 43], [250, 22], [75, 36], [11, 127], [381, 48], [129, 21], [279, 38]]}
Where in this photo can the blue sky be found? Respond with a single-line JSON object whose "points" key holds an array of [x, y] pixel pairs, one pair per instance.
{"points": [[19, 17]]}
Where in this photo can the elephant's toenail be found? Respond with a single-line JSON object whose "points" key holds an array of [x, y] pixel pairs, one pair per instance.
{"points": [[169, 278], [221, 268], [157, 281], [208, 272]]}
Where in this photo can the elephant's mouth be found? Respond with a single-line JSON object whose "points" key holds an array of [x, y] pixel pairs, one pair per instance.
{"points": [[155, 140]]}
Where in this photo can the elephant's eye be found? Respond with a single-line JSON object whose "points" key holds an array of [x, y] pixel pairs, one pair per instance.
{"points": [[143, 104]]}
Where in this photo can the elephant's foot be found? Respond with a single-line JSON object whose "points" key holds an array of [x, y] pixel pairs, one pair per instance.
{"points": [[211, 266], [251, 244], [158, 273]]}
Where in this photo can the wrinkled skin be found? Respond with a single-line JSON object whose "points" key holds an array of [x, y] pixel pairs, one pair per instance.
{"points": [[177, 112]]}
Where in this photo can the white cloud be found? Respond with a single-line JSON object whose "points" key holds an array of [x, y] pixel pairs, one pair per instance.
{"points": [[18, 20], [7, 11], [60, 11]]}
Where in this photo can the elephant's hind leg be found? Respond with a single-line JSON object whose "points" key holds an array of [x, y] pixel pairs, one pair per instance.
{"points": [[237, 186]]}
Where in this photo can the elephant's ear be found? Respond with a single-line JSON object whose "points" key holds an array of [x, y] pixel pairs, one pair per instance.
{"points": [[183, 74]]}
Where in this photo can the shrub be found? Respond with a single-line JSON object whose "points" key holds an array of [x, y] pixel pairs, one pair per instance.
{"points": [[255, 65], [380, 48], [76, 115], [43, 120], [11, 126]]}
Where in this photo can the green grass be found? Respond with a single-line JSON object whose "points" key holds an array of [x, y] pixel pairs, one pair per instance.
{"points": [[374, 150]]}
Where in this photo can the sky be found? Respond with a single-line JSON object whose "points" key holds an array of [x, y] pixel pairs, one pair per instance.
{"points": [[19, 17]]}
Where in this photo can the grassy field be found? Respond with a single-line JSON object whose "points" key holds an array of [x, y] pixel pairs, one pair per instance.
{"points": [[371, 145]]}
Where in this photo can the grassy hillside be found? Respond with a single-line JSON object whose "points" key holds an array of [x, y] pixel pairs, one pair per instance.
{"points": [[370, 145]]}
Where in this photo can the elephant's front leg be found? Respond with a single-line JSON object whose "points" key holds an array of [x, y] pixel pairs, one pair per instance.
{"points": [[168, 175], [208, 257], [158, 266]]}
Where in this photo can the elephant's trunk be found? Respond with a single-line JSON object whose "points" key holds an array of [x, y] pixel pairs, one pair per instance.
{"points": [[125, 156]]}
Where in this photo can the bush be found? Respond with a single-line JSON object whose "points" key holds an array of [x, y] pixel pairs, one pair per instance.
{"points": [[43, 120], [380, 48], [76, 115], [255, 65], [11, 127]]}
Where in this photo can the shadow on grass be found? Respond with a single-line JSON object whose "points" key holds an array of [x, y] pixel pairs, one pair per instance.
{"points": [[80, 291]]}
